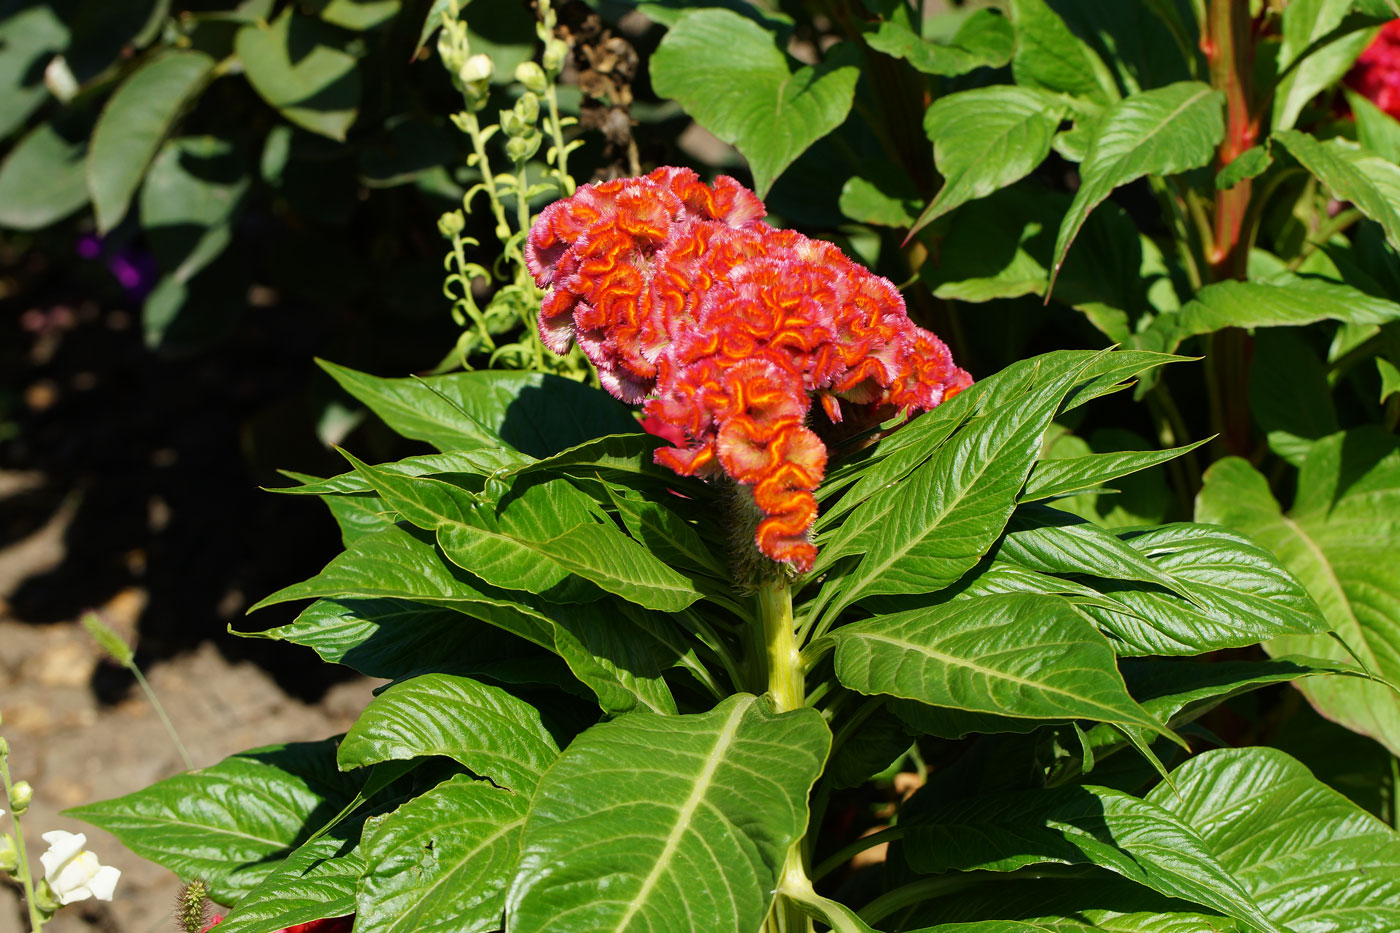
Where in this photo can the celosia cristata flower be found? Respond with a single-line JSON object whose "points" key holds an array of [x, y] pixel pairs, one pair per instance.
{"points": [[1376, 74], [726, 330]]}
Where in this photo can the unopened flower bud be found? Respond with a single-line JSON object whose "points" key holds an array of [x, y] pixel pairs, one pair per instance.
{"points": [[520, 148], [451, 224], [512, 125], [532, 76], [4, 747], [527, 108], [9, 855], [555, 51], [476, 69], [20, 795]]}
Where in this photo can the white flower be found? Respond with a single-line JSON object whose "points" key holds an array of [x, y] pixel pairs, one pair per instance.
{"points": [[73, 873]]}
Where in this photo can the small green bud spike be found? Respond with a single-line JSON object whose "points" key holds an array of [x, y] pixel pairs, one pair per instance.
{"points": [[451, 224], [192, 906], [108, 640], [527, 108], [555, 51], [20, 796]]}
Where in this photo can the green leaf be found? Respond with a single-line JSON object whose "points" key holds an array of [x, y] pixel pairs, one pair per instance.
{"points": [[700, 813], [1309, 857], [729, 75], [986, 139], [1087, 825], [1031, 657], [533, 539], [1251, 163], [1341, 542], [1158, 132], [536, 413], [1067, 475], [29, 39], [441, 862], [1376, 130], [44, 177], [357, 14], [133, 123], [1285, 301], [1307, 67], [1289, 395], [888, 200], [296, 64], [927, 531], [234, 823], [316, 881], [1049, 56], [431, 23], [1239, 594], [618, 655], [1390, 378], [984, 40], [479, 461], [1351, 173], [485, 728]]}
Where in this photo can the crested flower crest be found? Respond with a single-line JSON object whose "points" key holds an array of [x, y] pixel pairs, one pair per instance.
{"points": [[728, 332]]}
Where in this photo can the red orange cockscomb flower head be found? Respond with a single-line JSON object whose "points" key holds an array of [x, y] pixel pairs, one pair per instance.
{"points": [[726, 330]]}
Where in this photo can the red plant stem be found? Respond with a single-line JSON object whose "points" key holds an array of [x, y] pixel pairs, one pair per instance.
{"points": [[1229, 49]]}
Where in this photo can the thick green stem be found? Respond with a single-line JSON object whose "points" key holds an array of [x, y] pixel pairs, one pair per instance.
{"points": [[785, 682], [36, 917]]}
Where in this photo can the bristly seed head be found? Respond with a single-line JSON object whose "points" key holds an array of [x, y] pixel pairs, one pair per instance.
{"points": [[192, 907]]}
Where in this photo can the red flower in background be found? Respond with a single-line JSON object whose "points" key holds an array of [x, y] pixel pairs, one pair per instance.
{"points": [[330, 925], [1376, 74], [726, 330]]}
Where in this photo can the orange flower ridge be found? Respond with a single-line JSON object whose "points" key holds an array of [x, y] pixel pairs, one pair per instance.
{"points": [[726, 330]]}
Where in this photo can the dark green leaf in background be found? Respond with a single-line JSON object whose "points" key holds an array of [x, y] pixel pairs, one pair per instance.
{"points": [[727, 73], [1049, 56], [299, 66], [984, 40], [1308, 65], [44, 177], [133, 124], [29, 38], [1351, 173]]}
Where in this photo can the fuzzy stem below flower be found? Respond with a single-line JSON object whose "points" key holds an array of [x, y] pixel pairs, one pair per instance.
{"points": [[36, 917]]}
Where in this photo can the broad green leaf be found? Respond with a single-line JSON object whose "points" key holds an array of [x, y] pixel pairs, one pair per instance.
{"points": [[927, 531], [984, 40], [1341, 541], [1137, 839], [1239, 594], [441, 862], [479, 461], [729, 75], [133, 124], [1309, 857], [1049, 56], [1145, 45], [357, 14], [385, 638], [1351, 173], [699, 813], [888, 199], [986, 139], [1289, 395], [1059, 477], [1376, 130], [431, 23], [1031, 657], [1135, 499], [316, 881], [1306, 66], [296, 64], [234, 823], [1159, 132], [1251, 163], [485, 728], [1390, 378], [536, 413], [619, 656], [533, 539], [1286, 301], [29, 38], [43, 178]]}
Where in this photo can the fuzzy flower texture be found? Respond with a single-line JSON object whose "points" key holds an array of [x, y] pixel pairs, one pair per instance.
{"points": [[726, 331], [1376, 74]]}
